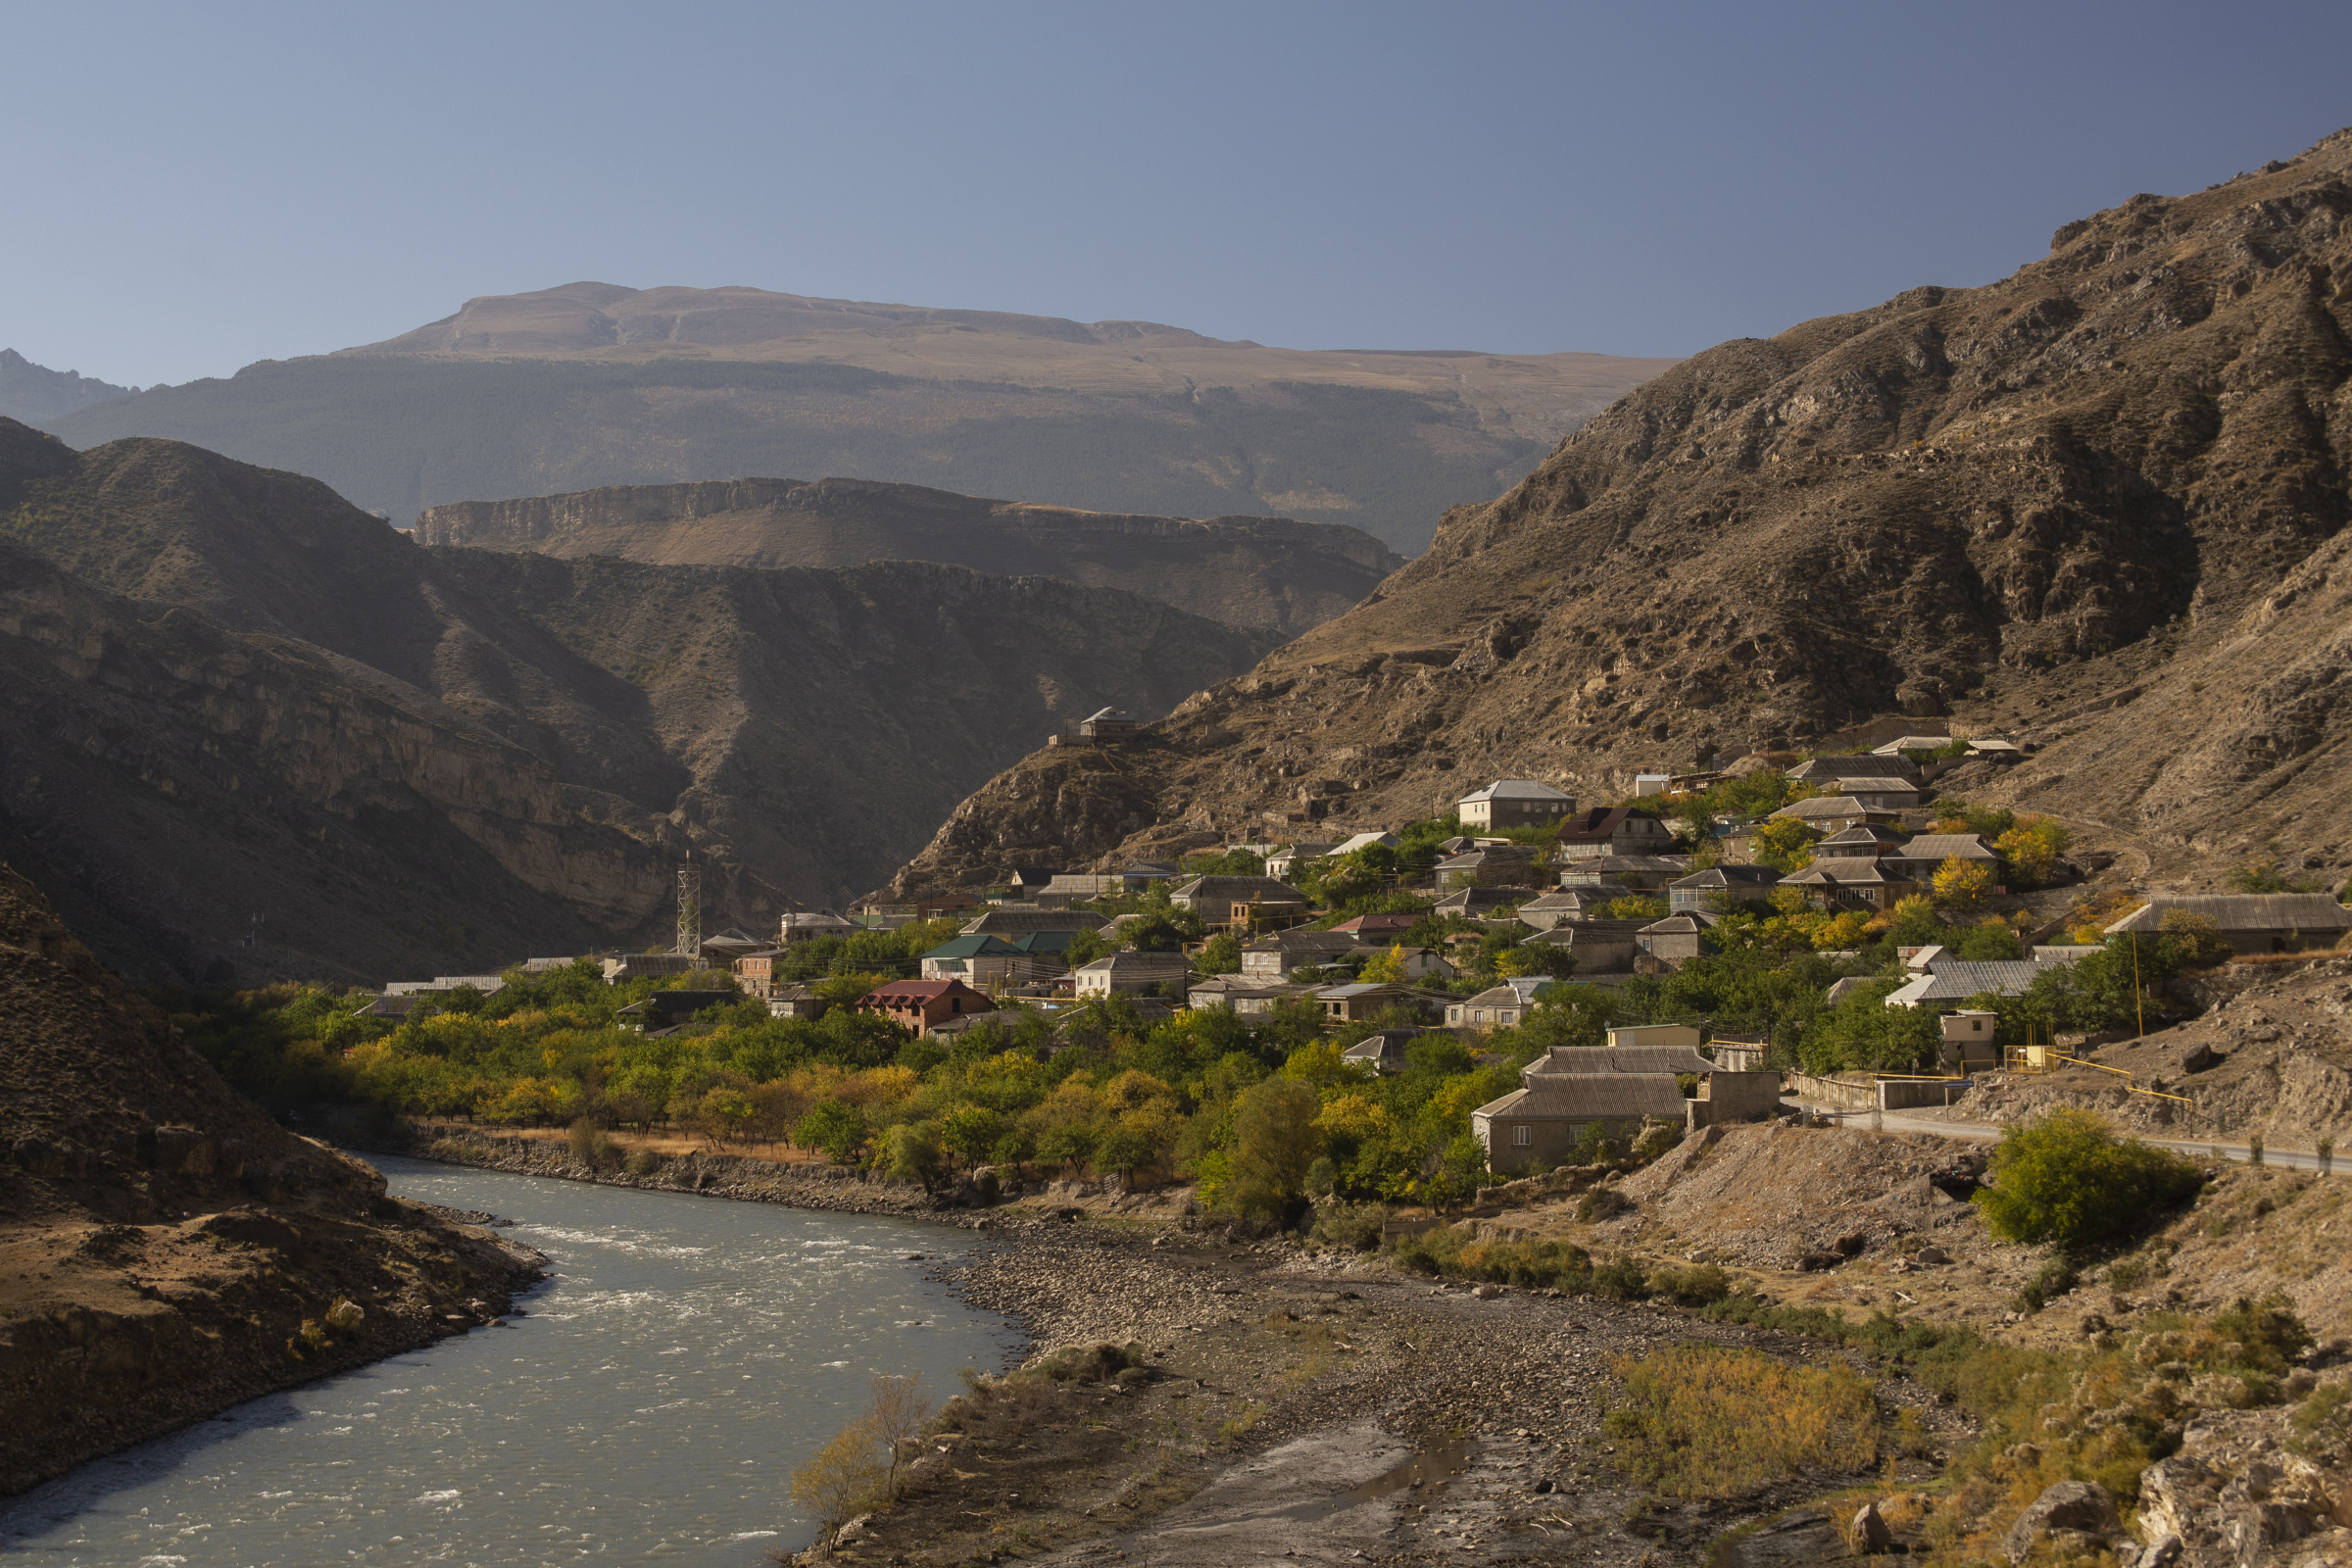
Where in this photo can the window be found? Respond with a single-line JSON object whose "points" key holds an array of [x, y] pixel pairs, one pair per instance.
{"points": [[1520, 1136]]}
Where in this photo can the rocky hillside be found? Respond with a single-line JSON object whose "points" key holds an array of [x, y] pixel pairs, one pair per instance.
{"points": [[2100, 502], [592, 385], [1269, 575], [231, 693], [35, 392], [162, 1243]]}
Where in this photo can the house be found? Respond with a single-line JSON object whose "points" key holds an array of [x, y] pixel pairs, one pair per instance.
{"points": [[1540, 1122], [1911, 743], [1665, 1059], [1869, 839], [1646, 873], [1645, 1036], [1515, 803], [638, 965], [1740, 1052], [796, 1002], [1042, 956], [664, 1009], [1646, 784], [1673, 941], [1827, 813], [1598, 946], [1893, 770], [980, 961], [1853, 883], [1248, 903], [1012, 923], [1498, 1006], [544, 966], [1420, 964], [1029, 880], [2250, 922], [756, 973], [1142, 873], [1487, 867], [807, 925], [731, 944], [1247, 997], [1969, 1043], [1475, 903], [1612, 830], [1131, 972], [1921, 857], [917, 1004], [963, 1023], [1719, 887], [1383, 1049], [1573, 904], [1380, 927], [1884, 794], [1288, 861], [1367, 841], [1272, 958], [1354, 1003], [1952, 980], [1107, 725], [1071, 888]]}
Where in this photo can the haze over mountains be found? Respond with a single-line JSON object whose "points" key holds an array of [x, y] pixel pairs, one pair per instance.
{"points": [[2101, 502], [34, 392], [226, 692], [592, 385]]}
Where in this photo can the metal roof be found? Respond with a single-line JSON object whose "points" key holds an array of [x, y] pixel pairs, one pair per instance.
{"points": [[1582, 1095], [2243, 912], [1617, 1059], [1514, 789]]}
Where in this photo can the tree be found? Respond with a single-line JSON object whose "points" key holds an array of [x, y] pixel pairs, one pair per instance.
{"points": [[2197, 938], [844, 1476], [1384, 968], [2255, 876], [2064, 1177], [840, 1130], [971, 1132], [1123, 1151], [1785, 843], [1221, 955], [2031, 850], [911, 1153], [1962, 886], [1275, 1143], [1912, 923]]}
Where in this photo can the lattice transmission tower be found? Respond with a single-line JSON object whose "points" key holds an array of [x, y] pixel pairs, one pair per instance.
{"points": [[690, 909]]}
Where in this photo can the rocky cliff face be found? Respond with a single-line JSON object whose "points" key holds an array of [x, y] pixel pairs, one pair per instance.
{"points": [[35, 392], [232, 695], [165, 1242], [2098, 501], [1265, 574]]}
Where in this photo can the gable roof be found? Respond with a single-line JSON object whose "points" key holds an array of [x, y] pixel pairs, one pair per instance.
{"points": [[1583, 1096], [1383, 921], [1817, 806], [1132, 963], [1599, 822], [1519, 991], [2312, 912], [1941, 847], [917, 991], [1513, 789], [974, 946], [1018, 922], [1461, 901], [1568, 933], [1617, 1059], [1674, 925], [1304, 939], [1871, 766], [1265, 889], [1723, 876], [1954, 979], [1364, 841]]}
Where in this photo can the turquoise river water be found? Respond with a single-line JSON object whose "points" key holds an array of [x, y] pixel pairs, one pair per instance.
{"points": [[684, 1355]]}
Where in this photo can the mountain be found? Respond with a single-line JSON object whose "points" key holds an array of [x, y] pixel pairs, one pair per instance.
{"points": [[34, 393], [591, 385], [2099, 503], [166, 1239], [227, 692], [1265, 574]]}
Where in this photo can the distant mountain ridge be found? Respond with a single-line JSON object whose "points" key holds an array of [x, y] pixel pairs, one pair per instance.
{"points": [[34, 392], [224, 692], [592, 385], [2100, 504], [1269, 575]]}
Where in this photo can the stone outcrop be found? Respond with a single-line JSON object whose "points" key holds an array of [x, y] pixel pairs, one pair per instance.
{"points": [[2098, 503], [1268, 575]]}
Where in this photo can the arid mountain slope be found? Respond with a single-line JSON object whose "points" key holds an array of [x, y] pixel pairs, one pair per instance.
{"points": [[235, 693], [35, 392], [591, 385], [1266, 575], [162, 1242], [2100, 499]]}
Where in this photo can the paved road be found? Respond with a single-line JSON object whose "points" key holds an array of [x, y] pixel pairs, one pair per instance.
{"points": [[1897, 1122]]}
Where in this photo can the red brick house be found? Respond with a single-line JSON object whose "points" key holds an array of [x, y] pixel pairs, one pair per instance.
{"points": [[917, 1004]]}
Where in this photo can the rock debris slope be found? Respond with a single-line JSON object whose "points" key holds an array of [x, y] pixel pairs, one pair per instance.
{"points": [[162, 1243], [1267, 574], [2100, 501], [238, 694]]}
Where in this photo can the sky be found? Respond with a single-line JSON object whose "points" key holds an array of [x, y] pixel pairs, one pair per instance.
{"points": [[189, 189]]}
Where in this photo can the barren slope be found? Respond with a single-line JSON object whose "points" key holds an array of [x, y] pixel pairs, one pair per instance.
{"points": [[2100, 499], [1267, 574], [162, 1242]]}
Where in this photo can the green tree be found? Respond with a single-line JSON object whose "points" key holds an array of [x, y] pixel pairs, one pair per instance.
{"points": [[840, 1130], [911, 1153], [2064, 1177], [1275, 1143], [971, 1132], [1220, 954]]}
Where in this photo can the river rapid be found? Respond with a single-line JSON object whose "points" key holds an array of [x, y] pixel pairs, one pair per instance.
{"points": [[648, 1406]]}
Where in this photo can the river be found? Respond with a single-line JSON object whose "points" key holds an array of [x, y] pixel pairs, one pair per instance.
{"points": [[649, 1406]]}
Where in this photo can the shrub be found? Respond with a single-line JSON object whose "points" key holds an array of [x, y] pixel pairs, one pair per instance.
{"points": [[2054, 1279], [1702, 1286], [644, 1162], [2066, 1178], [1700, 1421], [844, 1476], [1354, 1226]]}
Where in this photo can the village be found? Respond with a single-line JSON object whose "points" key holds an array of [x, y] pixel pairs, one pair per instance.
{"points": [[1529, 930]]}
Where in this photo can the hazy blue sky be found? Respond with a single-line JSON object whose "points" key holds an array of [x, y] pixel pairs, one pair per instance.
{"points": [[189, 189]]}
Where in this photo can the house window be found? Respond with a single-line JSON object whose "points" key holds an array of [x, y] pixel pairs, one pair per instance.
{"points": [[1520, 1136]]}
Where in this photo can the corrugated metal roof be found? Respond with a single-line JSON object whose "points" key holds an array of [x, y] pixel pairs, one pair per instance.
{"points": [[1514, 789], [2310, 913], [1582, 1096], [1941, 847], [1619, 1059]]}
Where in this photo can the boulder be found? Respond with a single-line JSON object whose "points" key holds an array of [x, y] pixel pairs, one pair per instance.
{"points": [[1869, 1531], [2077, 1508]]}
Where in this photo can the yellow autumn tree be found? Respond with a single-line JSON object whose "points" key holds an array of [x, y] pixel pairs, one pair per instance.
{"points": [[1962, 885], [1384, 968]]}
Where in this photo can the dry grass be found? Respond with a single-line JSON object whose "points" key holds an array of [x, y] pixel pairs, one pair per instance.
{"points": [[1702, 1421]]}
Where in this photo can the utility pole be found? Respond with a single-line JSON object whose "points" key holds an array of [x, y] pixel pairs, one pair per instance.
{"points": [[2139, 998], [690, 909]]}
